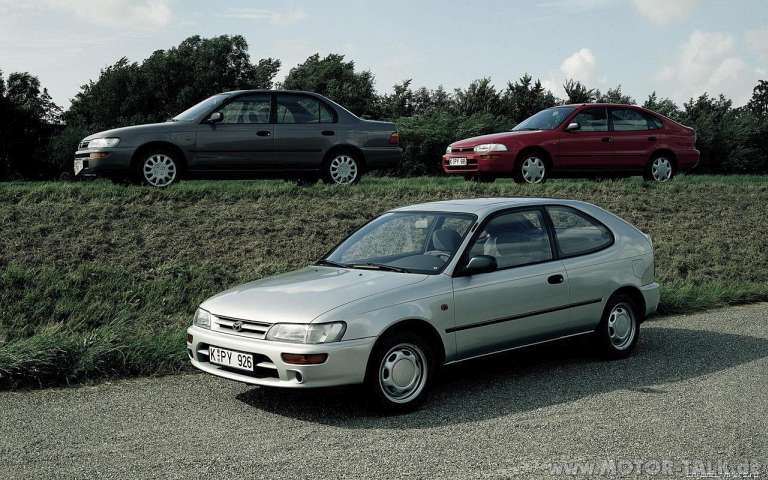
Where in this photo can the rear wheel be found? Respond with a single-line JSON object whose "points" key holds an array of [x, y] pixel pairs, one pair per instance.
{"points": [[159, 169], [660, 169], [531, 169], [619, 329], [343, 168], [401, 369]]}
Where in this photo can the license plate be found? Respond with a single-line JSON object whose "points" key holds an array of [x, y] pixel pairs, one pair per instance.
{"points": [[457, 162], [78, 166], [230, 358]]}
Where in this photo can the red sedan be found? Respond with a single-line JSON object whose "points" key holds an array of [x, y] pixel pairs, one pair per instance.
{"points": [[587, 139]]}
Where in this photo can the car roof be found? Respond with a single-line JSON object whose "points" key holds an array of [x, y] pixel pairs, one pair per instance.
{"points": [[266, 90], [484, 205]]}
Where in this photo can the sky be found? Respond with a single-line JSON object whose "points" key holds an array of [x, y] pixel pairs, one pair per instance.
{"points": [[679, 48]]}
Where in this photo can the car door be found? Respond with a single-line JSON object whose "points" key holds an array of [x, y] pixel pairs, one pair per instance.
{"points": [[588, 147], [583, 244], [305, 130], [520, 302], [244, 138], [634, 138]]}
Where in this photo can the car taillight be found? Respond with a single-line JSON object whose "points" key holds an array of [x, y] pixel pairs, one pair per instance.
{"points": [[394, 139]]}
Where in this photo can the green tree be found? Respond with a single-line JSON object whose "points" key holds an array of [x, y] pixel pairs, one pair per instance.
{"points": [[480, 97], [758, 104], [525, 97], [664, 106], [336, 79], [577, 92], [615, 95]]}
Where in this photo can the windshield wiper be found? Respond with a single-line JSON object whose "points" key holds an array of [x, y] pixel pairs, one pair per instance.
{"points": [[331, 263], [379, 266]]}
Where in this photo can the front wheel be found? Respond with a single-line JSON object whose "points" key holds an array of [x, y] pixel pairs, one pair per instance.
{"points": [[659, 169], [531, 169], [342, 169], [400, 370], [159, 169], [619, 329]]}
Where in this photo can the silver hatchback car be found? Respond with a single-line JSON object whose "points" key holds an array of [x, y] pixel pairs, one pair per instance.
{"points": [[432, 284]]}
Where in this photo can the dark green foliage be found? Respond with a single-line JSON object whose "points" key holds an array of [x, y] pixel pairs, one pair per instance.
{"points": [[615, 95], [577, 92]]}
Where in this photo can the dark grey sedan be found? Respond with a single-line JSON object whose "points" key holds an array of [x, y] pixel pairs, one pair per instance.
{"points": [[262, 133]]}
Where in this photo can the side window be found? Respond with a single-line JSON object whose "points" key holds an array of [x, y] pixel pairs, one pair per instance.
{"points": [[627, 120], [248, 109], [592, 120], [578, 234], [514, 239], [654, 123], [302, 109]]}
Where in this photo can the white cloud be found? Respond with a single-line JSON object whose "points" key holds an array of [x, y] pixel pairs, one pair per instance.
{"points": [[274, 17], [141, 14], [662, 12], [580, 66], [758, 41], [708, 62]]}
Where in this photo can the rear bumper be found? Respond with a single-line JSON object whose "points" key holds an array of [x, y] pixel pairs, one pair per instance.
{"points": [[383, 157], [106, 161], [500, 163], [651, 295], [687, 160], [346, 363]]}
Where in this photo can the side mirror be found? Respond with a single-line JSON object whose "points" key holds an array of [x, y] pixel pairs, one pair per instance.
{"points": [[573, 126], [480, 264], [215, 117]]}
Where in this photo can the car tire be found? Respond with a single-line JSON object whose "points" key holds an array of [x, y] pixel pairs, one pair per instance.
{"points": [[660, 169], [401, 369], [531, 168], [158, 168], [342, 168], [619, 329]]}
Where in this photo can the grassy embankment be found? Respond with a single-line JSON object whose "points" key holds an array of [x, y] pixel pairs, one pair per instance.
{"points": [[100, 280]]}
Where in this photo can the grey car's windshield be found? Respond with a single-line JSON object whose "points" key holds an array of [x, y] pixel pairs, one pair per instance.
{"points": [[413, 242], [194, 112], [547, 119]]}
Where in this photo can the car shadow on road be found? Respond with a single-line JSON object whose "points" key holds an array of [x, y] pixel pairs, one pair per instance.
{"points": [[525, 380]]}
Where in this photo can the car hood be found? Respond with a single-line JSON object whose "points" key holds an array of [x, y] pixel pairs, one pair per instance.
{"points": [[136, 129], [303, 295], [496, 138]]}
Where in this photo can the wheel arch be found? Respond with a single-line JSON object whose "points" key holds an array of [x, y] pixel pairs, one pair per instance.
{"points": [[636, 295], [546, 156], [345, 148], [422, 328], [159, 145], [666, 152]]}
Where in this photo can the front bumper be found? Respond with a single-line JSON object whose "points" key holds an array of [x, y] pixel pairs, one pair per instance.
{"points": [[104, 161], [346, 363], [499, 163], [651, 295]]}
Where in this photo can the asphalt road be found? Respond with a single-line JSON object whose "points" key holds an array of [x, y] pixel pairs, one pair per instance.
{"points": [[695, 391]]}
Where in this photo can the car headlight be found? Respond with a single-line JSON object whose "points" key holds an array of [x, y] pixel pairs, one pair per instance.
{"points": [[448, 150], [307, 333], [103, 142], [490, 147], [202, 319]]}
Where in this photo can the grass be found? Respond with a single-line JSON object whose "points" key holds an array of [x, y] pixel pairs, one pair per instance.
{"points": [[99, 280]]}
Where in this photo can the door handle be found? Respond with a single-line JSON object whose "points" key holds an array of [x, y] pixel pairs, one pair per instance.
{"points": [[606, 139], [651, 139], [556, 279], [328, 133], [263, 133]]}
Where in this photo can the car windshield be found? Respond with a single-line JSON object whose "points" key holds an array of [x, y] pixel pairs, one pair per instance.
{"points": [[202, 107], [547, 119], [407, 242]]}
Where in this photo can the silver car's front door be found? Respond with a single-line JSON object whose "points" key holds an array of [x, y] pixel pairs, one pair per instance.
{"points": [[524, 301]]}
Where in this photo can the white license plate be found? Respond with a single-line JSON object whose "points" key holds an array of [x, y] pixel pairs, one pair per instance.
{"points": [[78, 166], [230, 358], [457, 162]]}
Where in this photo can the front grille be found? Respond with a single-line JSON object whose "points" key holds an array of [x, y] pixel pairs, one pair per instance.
{"points": [[262, 365], [462, 149], [248, 328]]}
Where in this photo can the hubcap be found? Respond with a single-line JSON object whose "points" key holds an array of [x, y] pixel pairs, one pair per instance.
{"points": [[159, 170], [343, 169], [403, 373], [621, 326], [533, 170], [661, 169]]}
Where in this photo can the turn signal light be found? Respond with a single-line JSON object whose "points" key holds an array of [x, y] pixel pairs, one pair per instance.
{"points": [[394, 139], [304, 359], [189, 338], [98, 155]]}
